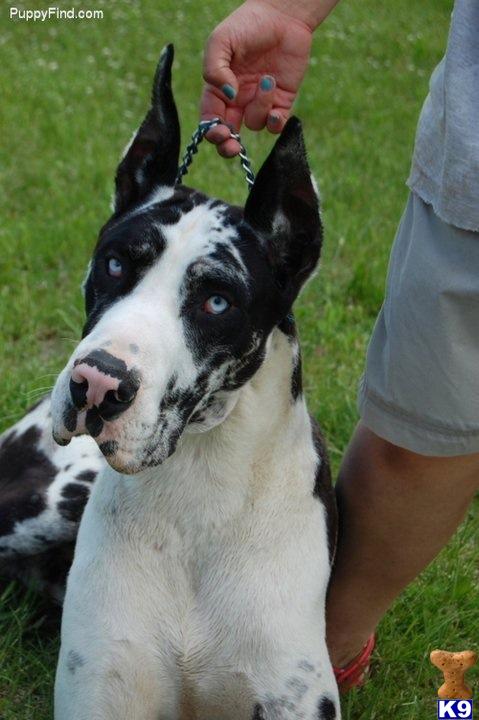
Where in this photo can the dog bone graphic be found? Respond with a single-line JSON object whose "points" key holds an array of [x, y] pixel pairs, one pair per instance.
{"points": [[454, 666]]}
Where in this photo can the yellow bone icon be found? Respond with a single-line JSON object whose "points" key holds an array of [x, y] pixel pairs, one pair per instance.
{"points": [[454, 666]]}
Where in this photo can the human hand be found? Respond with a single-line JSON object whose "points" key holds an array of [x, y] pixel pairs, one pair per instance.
{"points": [[254, 63]]}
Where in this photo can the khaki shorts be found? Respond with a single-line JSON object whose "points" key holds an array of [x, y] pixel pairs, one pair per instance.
{"points": [[420, 389]]}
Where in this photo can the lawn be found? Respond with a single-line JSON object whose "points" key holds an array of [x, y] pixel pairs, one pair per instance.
{"points": [[72, 92]]}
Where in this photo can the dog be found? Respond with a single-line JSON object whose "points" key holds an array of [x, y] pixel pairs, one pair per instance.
{"points": [[197, 589]]}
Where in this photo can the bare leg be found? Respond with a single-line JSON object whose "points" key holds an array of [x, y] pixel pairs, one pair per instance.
{"points": [[397, 510]]}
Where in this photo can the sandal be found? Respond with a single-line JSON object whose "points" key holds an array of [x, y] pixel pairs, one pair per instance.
{"points": [[355, 673]]}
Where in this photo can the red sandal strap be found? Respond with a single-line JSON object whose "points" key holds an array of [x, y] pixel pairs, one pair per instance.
{"points": [[353, 672]]}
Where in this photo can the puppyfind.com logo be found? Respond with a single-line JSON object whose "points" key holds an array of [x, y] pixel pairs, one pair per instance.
{"points": [[454, 709], [53, 13]]}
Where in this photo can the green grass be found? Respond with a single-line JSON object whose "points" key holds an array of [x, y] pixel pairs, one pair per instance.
{"points": [[71, 95]]}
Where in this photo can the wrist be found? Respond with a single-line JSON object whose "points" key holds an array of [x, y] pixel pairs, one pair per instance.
{"points": [[309, 12]]}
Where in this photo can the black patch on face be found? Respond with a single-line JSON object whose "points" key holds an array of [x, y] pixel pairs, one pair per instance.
{"points": [[235, 339], [323, 488], [70, 415], [137, 242], [106, 363], [86, 476], [109, 447], [25, 474], [78, 392], [93, 422], [179, 404], [75, 498], [326, 709]]}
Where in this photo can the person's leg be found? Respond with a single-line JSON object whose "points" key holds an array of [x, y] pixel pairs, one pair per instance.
{"points": [[420, 391], [397, 510]]}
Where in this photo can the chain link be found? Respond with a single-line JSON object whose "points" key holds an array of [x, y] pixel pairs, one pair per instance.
{"points": [[198, 136]]}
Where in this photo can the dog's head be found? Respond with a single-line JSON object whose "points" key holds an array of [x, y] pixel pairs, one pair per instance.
{"points": [[182, 293]]}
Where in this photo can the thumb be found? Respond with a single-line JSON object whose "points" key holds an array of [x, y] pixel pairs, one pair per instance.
{"points": [[216, 64]]}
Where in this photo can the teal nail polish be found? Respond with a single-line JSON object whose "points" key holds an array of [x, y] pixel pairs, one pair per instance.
{"points": [[229, 91], [267, 83], [273, 119]]}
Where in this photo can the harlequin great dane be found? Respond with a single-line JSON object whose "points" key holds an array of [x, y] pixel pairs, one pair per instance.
{"points": [[198, 584]]}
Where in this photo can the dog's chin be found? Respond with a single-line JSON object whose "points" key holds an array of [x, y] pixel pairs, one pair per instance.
{"points": [[125, 466]]}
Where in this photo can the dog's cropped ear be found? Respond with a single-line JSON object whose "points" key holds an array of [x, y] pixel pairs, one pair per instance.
{"points": [[283, 206], [151, 159]]}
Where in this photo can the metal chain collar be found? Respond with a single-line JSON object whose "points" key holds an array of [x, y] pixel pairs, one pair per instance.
{"points": [[198, 136]]}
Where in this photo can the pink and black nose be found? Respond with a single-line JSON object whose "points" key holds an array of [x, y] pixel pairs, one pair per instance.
{"points": [[102, 383]]}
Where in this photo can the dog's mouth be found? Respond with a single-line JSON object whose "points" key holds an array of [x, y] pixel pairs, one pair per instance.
{"points": [[135, 440], [128, 446]]}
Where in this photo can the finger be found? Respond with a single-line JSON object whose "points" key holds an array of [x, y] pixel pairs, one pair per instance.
{"points": [[216, 64], [276, 120], [218, 134], [212, 106], [228, 149], [221, 134], [256, 112]]}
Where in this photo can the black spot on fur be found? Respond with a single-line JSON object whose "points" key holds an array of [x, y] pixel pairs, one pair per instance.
{"points": [[78, 392], [74, 661], [306, 666], [70, 417], [25, 474], [326, 709], [86, 476], [297, 377], [106, 363], [93, 422], [323, 488], [257, 713], [75, 498], [109, 447], [288, 326]]}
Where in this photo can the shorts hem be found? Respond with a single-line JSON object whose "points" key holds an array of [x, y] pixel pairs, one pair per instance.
{"points": [[399, 428]]}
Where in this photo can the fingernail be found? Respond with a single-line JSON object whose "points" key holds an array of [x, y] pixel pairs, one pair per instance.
{"points": [[229, 91], [273, 119], [267, 83]]}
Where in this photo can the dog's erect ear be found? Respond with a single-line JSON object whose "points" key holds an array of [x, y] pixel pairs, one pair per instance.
{"points": [[151, 160], [283, 206]]}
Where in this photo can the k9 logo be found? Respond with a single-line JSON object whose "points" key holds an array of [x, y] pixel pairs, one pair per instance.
{"points": [[454, 709]]}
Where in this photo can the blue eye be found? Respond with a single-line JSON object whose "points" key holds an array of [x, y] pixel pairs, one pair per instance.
{"points": [[114, 267], [216, 305]]}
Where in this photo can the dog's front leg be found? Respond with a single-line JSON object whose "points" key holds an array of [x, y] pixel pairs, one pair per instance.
{"points": [[305, 690], [115, 660], [120, 682]]}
